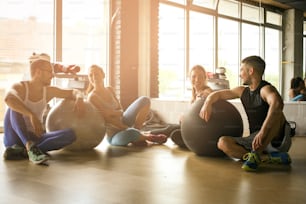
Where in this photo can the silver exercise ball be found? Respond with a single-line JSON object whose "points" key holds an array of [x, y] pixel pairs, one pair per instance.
{"points": [[89, 129]]}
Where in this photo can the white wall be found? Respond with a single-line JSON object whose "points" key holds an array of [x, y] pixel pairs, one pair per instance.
{"points": [[170, 111]]}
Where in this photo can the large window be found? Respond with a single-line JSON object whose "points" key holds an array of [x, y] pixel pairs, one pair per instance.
{"points": [[229, 8], [28, 26], [250, 38], [252, 13], [171, 51], [183, 44], [189, 35], [228, 42], [201, 40], [85, 32], [272, 56], [273, 49]]}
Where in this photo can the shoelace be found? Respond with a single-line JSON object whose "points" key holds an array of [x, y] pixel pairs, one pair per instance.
{"points": [[36, 151], [246, 156], [250, 154]]}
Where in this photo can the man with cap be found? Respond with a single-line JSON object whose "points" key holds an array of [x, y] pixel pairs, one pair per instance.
{"points": [[24, 132]]}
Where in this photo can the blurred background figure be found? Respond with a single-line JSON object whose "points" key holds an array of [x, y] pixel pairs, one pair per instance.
{"points": [[297, 91]]}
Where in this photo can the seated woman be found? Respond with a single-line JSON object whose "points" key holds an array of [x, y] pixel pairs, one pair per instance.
{"points": [[198, 79], [122, 127], [297, 91]]}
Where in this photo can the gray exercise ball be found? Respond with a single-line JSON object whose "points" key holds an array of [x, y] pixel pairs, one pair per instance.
{"points": [[201, 137], [89, 129]]}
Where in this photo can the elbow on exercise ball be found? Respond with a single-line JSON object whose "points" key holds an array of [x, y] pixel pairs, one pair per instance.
{"points": [[201, 137]]}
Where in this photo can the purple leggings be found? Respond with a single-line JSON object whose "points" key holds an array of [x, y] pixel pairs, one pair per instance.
{"points": [[15, 132]]}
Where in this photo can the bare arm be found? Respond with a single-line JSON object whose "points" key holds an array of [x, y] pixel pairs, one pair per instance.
{"points": [[206, 110], [275, 112], [74, 94], [55, 92], [14, 98]]}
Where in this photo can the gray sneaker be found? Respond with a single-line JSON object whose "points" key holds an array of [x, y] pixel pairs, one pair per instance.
{"points": [[15, 152], [36, 155]]}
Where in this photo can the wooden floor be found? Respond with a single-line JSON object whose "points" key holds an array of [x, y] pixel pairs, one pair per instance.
{"points": [[158, 174]]}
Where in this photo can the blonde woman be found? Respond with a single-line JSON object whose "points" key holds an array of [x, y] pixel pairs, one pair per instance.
{"points": [[122, 126], [200, 89], [198, 79]]}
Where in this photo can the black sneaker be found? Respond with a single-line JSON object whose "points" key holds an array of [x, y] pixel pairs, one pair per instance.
{"points": [[15, 152], [166, 130], [176, 137], [36, 155]]}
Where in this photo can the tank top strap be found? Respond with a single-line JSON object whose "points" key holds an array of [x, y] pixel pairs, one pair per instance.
{"points": [[26, 98]]}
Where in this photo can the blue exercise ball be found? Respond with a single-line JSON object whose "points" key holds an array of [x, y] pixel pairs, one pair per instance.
{"points": [[201, 137]]}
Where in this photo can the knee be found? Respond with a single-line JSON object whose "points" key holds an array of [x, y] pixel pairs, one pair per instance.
{"points": [[145, 100], [125, 137], [223, 143], [132, 133], [69, 135]]}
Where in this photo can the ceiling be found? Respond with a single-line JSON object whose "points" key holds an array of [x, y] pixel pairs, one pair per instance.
{"points": [[286, 4]]}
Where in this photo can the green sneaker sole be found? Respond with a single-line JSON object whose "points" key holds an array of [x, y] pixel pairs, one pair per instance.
{"points": [[39, 161], [247, 168]]}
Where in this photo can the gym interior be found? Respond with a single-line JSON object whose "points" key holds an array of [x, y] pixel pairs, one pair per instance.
{"points": [[147, 48]]}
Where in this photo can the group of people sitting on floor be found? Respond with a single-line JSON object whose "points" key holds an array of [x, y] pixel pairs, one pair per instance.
{"points": [[25, 135]]}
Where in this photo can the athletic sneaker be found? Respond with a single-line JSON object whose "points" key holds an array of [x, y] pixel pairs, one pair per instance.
{"points": [[15, 152], [160, 138], [252, 161], [36, 155], [279, 158], [176, 137], [167, 130]]}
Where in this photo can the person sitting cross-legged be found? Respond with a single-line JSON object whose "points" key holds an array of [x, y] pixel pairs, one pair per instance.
{"points": [[270, 132]]}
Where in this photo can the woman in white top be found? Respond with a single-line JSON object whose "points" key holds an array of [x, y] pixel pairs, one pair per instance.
{"points": [[200, 89]]}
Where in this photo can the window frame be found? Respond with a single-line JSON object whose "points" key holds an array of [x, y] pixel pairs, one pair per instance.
{"points": [[262, 24], [55, 49]]}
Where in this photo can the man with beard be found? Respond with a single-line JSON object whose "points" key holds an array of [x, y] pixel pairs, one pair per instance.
{"points": [[24, 132], [269, 131]]}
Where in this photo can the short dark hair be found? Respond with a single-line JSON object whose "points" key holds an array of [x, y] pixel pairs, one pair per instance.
{"points": [[257, 62], [295, 82]]}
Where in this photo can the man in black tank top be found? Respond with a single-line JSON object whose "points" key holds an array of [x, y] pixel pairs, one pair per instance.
{"points": [[270, 132]]}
